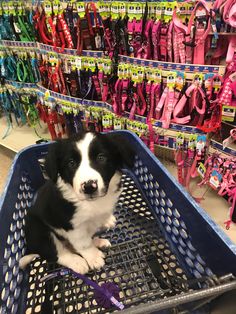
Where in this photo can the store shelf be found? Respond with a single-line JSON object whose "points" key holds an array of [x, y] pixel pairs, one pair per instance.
{"points": [[224, 33], [20, 137], [189, 69]]}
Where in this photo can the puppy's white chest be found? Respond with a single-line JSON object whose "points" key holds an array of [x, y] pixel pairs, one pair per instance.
{"points": [[95, 211]]}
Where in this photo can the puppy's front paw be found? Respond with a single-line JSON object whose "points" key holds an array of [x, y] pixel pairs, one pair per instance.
{"points": [[74, 262], [94, 257], [101, 243], [110, 222]]}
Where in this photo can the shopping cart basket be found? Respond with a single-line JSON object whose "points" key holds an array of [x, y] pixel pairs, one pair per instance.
{"points": [[166, 252]]}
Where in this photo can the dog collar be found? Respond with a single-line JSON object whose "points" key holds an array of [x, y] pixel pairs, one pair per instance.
{"points": [[208, 164], [166, 105], [179, 160], [187, 167], [101, 81], [199, 157], [229, 12], [135, 99], [71, 82], [155, 38], [88, 37], [169, 105], [65, 34], [154, 98], [148, 96], [161, 103], [203, 28], [212, 120], [56, 80], [163, 42], [124, 94], [71, 17], [170, 42], [21, 28], [226, 94], [145, 51], [141, 109], [28, 70], [105, 91], [42, 25], [97, 85], [130, 30], [7, 23], [180, 31], [117, 96], [199, 26], [137, 38]]}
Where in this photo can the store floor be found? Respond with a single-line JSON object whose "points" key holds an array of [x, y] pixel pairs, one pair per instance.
{"points": [[6, 157], [214, 205]]}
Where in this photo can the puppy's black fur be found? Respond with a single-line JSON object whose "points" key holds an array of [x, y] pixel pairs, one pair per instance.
{"points": [[51, 210]]}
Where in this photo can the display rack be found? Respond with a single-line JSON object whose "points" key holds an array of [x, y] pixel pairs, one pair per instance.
{"points": [[167, 134]]}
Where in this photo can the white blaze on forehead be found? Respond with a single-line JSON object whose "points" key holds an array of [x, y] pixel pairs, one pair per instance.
{"points": [[85, 172], [83, 145]]}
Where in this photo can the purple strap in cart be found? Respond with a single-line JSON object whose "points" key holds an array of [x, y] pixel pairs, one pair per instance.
{"points": [[106, 295]]}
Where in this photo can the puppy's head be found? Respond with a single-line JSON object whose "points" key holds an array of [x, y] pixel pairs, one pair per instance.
{"points": [[89, 162]]}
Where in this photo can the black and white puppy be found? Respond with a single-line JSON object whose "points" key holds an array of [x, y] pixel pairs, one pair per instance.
{"points": [[78, 199]]}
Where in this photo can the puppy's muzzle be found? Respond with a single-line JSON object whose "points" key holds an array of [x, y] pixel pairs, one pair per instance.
{"points": [[89, 187]]}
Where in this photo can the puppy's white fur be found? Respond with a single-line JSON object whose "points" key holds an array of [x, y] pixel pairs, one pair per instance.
{"points": [[90, 215], [85, 172], [69, 259], [25, 260]]}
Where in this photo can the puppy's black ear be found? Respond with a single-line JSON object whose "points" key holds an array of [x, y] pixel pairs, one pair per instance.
{"points": [[123, 147], [51, 162]]}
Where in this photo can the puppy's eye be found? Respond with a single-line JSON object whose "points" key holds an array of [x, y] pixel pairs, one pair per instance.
{"points": [[71, 163], [101, 158]]}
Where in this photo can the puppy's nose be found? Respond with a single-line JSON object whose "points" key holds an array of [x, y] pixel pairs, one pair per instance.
{"points": [[89, 187]]}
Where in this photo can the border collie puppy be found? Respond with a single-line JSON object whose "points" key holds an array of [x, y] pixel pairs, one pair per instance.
{"points": [[78, 200]]}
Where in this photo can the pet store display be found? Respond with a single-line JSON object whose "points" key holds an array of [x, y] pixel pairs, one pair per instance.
{"points": [[48, 45], [164, 70]]}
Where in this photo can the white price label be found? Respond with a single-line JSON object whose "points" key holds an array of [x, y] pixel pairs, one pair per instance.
{"points": [[78, 63]]}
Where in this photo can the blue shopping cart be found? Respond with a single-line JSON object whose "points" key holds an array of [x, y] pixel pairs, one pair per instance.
{"points": [[167, 255]]}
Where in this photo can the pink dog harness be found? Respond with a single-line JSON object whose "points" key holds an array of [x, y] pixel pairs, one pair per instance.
{"points": [[199, 27], [196, 95]]}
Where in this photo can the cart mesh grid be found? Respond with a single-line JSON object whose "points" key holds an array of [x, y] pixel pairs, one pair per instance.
{"points": [[152, 256], [140, 262]]}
